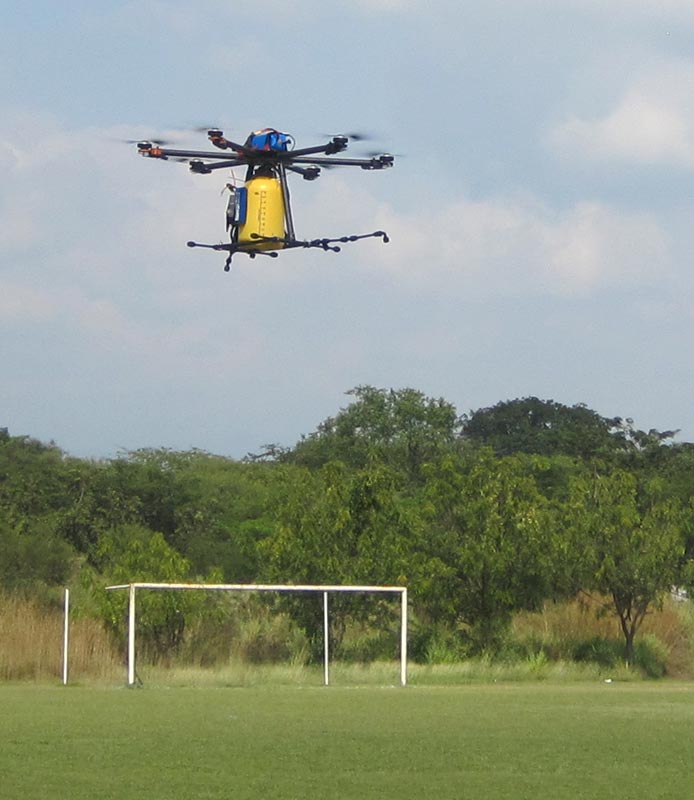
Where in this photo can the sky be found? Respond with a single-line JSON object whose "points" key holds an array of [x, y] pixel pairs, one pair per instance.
{"points": [[540, 214]]}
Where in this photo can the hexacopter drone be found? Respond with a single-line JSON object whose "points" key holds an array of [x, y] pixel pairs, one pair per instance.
{"points": [[259, 216]]}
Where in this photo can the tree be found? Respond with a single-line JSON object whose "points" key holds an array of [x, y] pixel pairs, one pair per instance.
{"points": [[33, 478], [488, 547], [132, 553], [629, 543], [224, 512], [36, 492], [211, 509], [337, 526], [544, 427], [33, 555], [402, 428]]}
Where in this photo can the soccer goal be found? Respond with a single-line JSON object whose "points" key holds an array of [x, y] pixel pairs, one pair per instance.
{"points": [[325, 590]]}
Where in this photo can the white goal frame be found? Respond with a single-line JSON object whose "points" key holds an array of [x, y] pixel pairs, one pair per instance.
{"points": [[266, 587]]}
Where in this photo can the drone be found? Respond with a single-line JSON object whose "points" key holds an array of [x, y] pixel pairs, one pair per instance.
{"points": [[258, 214]]}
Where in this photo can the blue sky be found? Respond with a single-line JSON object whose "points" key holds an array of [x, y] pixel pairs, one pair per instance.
{"points": [[540, 215]]}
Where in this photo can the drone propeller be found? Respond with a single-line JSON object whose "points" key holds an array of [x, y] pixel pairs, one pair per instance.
{"points": [[157, 142], [174, 134], [206, 128], [377, 153], [355, 136]]}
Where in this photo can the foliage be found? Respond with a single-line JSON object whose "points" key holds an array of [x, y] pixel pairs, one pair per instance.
{"points": [[631, 542], [33, 554], [33, 478], [545, 427], [488, 547], [132, 553], [481, 516], [338, 527], [650, 655], [213, 510], [400, 428]]}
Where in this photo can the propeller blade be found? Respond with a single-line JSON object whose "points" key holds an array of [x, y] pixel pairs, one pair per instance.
{"points": [[355, 136], [360, 137], [205, 128], [158, 142], [376, 153]]}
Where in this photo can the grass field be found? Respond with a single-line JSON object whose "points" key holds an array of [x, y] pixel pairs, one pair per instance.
{"points": [[526, 741]]}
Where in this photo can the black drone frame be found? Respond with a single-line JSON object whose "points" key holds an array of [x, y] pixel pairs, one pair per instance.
{"points": [[306, 161]]}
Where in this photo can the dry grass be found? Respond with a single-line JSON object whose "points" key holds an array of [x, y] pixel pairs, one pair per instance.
{"points": [[31, 641], [31, 644], [560, 625], [673, 625]]}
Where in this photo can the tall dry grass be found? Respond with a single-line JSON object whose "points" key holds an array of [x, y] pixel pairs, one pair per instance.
{"points": [[31, 644], [559, 627], [673, 625]]}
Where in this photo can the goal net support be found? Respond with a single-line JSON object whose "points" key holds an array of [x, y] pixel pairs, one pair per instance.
{"points": [[326, 590]]}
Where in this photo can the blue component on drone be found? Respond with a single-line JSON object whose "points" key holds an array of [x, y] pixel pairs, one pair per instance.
{"points": [[241, 205], [269, 139]]}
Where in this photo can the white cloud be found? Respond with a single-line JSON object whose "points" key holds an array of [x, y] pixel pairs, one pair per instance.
{"points": [[651, 124], [104, 309], [110, 224], [99, 281], [501, 246], [25, 304], [593, 247]]}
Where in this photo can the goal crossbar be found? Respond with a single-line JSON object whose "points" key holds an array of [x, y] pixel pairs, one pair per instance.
{"points": [[325, 589]]}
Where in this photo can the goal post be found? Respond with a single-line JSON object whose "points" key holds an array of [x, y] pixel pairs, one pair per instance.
{"points": [[325, 590]]}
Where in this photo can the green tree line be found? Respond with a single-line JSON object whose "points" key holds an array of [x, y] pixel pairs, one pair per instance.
{"points": [[481, 515]]}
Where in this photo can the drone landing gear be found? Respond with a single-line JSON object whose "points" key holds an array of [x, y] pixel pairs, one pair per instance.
{"points": [[252, 250], [331, 244], [232, 248]]}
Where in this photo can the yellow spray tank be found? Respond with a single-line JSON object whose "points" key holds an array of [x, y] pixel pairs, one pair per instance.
{"points": [[264, 213]]}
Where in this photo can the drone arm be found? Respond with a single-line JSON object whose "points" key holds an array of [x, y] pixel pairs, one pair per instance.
{"points": [[325, 244], [219, 140], [150, 150], [201, 168], [309, 173], [253, 249], [378, 162], [344, 239], [336, 145]]}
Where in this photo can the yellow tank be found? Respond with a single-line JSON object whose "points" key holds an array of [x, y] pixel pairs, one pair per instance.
{"points": [[264, 213]]}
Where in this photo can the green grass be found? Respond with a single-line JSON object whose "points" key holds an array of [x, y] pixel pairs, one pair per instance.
{"points": [[381, 673], [491, 741]]}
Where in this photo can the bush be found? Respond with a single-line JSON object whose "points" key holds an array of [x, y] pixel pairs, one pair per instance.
{"points": [[651, 656], [271, 639], [435, 644], [605, 652], [365, 643], [240, 628], [135, 553], [35, 555]]}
